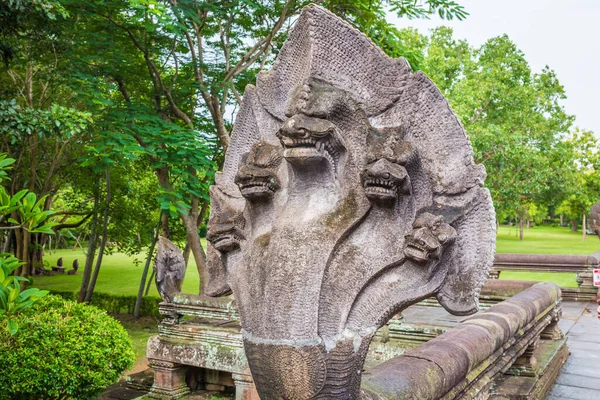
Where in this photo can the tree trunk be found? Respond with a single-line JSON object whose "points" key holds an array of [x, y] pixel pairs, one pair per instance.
{"points": [[92, 286], [25, 254], [38, 243], [584, 226], [562, 222], [190, 222], [9, 242], [573, 226], [149, 283], [521, 226], [138, 301], [186, 253], [89, 259], [191, 233]]}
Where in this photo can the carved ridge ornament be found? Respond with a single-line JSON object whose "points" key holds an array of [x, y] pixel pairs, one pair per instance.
{"points": [[348, 193]]}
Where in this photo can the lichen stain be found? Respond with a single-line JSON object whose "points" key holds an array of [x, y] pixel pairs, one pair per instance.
{"points": [[344, 214], [263, 240]]}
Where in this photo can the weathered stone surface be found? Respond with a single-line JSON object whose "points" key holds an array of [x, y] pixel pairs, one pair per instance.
{"points": [[469, 356], [169, 268], [348, 192], [495, 288], [595, 218], [551, 354]]}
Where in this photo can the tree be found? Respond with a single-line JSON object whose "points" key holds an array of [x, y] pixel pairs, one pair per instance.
{"points": [[514, 118], [36, 130], [585, 182], [43, 142]]}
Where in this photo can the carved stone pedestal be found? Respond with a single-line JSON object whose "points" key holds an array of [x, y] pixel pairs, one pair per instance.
{"points": [[244, 387], [169, 380]]}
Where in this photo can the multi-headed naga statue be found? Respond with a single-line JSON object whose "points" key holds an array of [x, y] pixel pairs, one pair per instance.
{"points": [[348, 193]]}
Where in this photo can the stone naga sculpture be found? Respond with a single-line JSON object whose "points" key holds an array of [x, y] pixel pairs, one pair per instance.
{"points": [[169, 268], [595, 219], [348, 193]]}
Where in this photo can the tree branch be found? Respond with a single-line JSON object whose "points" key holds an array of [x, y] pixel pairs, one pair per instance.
{"points": [[70, 213], [260, 47], [74, 224]]}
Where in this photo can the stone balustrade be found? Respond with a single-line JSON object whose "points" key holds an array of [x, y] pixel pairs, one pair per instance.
{"points": [[582, 266], [514, 344]]}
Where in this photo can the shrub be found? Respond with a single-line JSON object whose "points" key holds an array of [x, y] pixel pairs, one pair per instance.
{"points": [[125, 304], [62, 350], [12, 299], [117, 304]]}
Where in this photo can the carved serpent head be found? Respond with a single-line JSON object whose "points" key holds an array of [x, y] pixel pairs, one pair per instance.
{"points": [[384, 181], [430, 233], [307, 139], [225, 230], [308, 136], [257, 178], [385, 177]]}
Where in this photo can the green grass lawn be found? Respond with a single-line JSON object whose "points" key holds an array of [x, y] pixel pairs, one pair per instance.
{"points": [[562, 279], [119, 273], [545, 240]]}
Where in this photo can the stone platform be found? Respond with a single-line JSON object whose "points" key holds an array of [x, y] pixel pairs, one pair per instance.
{"points": [[577, 380]]}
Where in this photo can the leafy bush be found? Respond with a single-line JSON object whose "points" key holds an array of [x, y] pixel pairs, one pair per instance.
{"points": [[117, 304], [31, 216], [125, 304], [62, 350], [12, 300]]}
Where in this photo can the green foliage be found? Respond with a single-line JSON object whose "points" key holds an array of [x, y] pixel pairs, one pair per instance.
{"points": [[64, 350], [38, 138], [33, 218], [514, 118], [23, 205], [25, 19], [117, 304], [18, 122], [124, 304], [12, 300], [583, 149], [516, 124]]}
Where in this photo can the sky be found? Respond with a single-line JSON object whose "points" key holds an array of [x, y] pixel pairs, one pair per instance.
{"points": [[565, 35]]}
